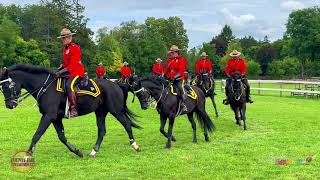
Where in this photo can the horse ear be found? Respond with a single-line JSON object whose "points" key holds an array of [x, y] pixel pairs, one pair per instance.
{"points": [[4, 71]]}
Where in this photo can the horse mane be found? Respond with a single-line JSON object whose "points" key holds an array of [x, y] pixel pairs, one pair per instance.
{"points": [[30, 69], [154, 79]]}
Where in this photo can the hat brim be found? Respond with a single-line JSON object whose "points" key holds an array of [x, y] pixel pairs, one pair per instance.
{"points": [[235, 55], [67, 35], [175, 50]]}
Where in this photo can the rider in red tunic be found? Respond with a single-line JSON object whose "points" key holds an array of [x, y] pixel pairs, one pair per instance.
{"points": [[175, 68], [71, 66], [157, 68], [204, 65], [125, 71], [100, 71], [236, 65]]}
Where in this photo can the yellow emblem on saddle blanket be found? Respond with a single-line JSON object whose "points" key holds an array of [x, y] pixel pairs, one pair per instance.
{"points": [[92, 89], [192, 94]]}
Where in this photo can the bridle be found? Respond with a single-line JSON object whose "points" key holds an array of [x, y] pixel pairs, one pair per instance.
{"points": [[150, 99], [202, 83], [237, 98], [19, 98], [13, 92]]}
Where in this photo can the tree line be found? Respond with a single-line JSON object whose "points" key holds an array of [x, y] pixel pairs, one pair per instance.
{"points": [[28, 35]]}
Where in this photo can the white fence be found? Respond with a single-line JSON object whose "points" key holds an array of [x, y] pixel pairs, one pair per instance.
{"points": [[306, 88]]}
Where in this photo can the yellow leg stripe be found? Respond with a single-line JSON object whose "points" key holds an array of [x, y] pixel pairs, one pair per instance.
{"points": [[182, 84], [72, 83]]}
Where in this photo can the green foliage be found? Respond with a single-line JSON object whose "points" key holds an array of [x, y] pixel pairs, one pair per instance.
{"points": [[141, 44], [109, 54], [303, 28], [249, 46], [222, 40], [265, 54], [9, 32], [285, 69], [254, 69]]}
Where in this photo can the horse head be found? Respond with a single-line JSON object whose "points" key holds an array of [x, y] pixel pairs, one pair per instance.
{"points": [[10, 89], [207, 84], [146, 89], [237, 87], [139, 91]]}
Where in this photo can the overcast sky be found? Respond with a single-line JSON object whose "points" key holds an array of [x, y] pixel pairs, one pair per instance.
{"points": [[203, 19]]}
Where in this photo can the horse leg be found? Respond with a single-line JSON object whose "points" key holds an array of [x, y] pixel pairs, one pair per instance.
{"points": [[171, 122], [214, 105], [205, 129], [163, 120], [126, 123], [237, 115], [42, 127], [194, 126], [101, 124], [243, 116], [60, 131]]}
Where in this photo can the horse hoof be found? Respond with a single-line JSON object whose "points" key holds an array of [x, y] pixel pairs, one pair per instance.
{"points": [[93, 154], [194, 141], [173, 138], [135, 146], [207, 138], [168, 146], [79, 153], [217, 115]]}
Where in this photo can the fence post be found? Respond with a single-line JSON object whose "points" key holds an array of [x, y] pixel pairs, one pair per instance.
{"points": [[305, 88], [222, 85], [259, 87], [280, 89]]}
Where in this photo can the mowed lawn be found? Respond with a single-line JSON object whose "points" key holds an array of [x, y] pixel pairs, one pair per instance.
{"points": [[278, 128]]}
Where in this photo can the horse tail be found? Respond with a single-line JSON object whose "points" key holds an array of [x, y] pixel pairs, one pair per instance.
{"points": [[131, 117], [120, 110], [205, 120]]}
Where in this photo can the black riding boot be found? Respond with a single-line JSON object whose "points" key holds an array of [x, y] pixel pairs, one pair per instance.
{"points": [[73, 104], [182, 95], [226, 101], [246, 83]]}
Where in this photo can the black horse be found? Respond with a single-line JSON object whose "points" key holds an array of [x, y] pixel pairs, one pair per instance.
{"points": [[169, 106], [41, 84], [205, 82], [237, 99]]}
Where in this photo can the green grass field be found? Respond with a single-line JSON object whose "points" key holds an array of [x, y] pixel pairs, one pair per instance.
{"points": [[278, 128]]}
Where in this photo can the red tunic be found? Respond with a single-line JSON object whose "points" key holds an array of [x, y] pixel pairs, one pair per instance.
{"points": [[72, 60], [157, 69], [176, 66], [204, 65], [100, 71], [236, 65], [125, 72]]}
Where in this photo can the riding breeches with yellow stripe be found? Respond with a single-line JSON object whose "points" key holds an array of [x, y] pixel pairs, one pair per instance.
{"points": [[71, 82], [180, 84]]}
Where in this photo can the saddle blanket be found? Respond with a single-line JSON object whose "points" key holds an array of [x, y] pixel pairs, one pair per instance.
{"points": [[91, 88]]}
